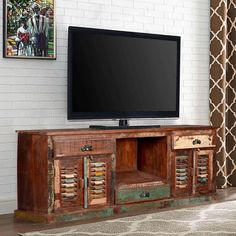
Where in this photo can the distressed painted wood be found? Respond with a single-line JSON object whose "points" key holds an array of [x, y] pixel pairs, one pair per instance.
{"points": [[76, 174], [32, 173], [121, 210], [204, 171], [126, 154], [142, 194], [182, 173], [99, 177], [192, 141], [152, 156], [78, 147]]}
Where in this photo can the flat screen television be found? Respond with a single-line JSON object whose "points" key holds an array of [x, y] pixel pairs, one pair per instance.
{"points": [[119, 75]]}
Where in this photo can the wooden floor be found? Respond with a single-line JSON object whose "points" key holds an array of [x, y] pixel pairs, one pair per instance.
{"points": [[10, 228]]}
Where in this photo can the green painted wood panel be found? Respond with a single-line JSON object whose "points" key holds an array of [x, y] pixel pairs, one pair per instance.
{"points": [[142, 194]]}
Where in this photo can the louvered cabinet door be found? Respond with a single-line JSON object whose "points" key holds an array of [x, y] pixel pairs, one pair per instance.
{"points": [[204, 170], [99, 180], [69, 183], [182, 176]]}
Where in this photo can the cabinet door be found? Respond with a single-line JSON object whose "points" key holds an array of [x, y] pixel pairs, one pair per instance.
{"points": [[204, 170], [68, 181], [82, 182], [99, 180], [182, 176]]}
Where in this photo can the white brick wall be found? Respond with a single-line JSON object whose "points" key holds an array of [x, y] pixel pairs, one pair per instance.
{"points": [[33, 92]]}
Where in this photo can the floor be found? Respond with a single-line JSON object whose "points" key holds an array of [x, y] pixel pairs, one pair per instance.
{"points": [[10, 228], [214, 219]]}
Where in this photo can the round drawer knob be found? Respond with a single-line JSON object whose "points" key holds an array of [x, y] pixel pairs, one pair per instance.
{"points": [[86, 147], [144, 194], [196, 141]]}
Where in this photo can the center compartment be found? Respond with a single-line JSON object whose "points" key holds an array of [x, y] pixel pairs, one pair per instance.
{"points": [[141, 169]]}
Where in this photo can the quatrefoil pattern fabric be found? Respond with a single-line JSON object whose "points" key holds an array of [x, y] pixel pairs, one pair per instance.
{"points": [[223, 87]]}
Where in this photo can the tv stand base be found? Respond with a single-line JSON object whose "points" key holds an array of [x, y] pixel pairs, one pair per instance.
{"points": [[123, 124], [124, 127], [122, 210]]}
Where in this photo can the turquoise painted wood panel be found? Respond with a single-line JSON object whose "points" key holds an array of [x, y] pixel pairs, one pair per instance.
{"points": [[142, 194]]}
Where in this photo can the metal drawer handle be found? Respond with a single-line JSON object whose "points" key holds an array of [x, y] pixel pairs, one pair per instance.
{"points": [[196, 141], [144, 194], [86, 147]]}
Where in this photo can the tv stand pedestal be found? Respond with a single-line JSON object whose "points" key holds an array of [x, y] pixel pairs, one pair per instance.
{"points": [[123, 124], [77, 174]]}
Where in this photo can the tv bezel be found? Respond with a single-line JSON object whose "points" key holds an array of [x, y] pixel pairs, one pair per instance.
{"points": [[71, 115]]}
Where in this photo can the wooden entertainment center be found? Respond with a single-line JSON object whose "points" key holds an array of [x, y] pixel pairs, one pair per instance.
{"points": [[77, 174]]}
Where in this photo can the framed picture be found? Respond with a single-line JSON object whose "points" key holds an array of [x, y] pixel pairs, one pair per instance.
{"points": [[29, 29]]}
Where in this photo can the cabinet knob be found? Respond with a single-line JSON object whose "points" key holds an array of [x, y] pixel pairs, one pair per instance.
{"points": [[196, 141], [86, 147], [144, 194]]}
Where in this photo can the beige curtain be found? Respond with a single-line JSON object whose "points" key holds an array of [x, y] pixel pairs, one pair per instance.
{"points": [[223, 87]]}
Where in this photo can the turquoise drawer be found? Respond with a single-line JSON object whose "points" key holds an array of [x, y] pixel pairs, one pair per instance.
{"points": [[129, 195]]}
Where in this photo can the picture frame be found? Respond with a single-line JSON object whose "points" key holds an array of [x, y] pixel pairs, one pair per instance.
{"points": [[29, 29]]}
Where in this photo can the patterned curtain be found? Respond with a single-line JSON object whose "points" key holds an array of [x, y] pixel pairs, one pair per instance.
{"points": [[223, 87]]}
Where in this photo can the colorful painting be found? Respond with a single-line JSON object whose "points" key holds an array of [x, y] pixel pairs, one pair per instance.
{"points": [[29, 29]]}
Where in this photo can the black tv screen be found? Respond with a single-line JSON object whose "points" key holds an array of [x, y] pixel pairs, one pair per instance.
{"points": [[116, 74]]}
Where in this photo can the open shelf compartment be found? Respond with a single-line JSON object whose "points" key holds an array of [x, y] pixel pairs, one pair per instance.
{"points": [[129, 179], [141, 169]]}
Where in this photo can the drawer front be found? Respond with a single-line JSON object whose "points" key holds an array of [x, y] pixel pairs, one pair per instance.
{"points": [[142, 194], [83, 147], [192, 141]]}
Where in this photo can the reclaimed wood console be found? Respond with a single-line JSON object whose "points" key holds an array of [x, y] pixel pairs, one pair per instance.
{"points": [[76, 174]]}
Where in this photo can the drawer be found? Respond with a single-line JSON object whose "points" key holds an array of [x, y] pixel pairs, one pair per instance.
{"points": [[129, 195], [83, 147], [192, 141]]}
